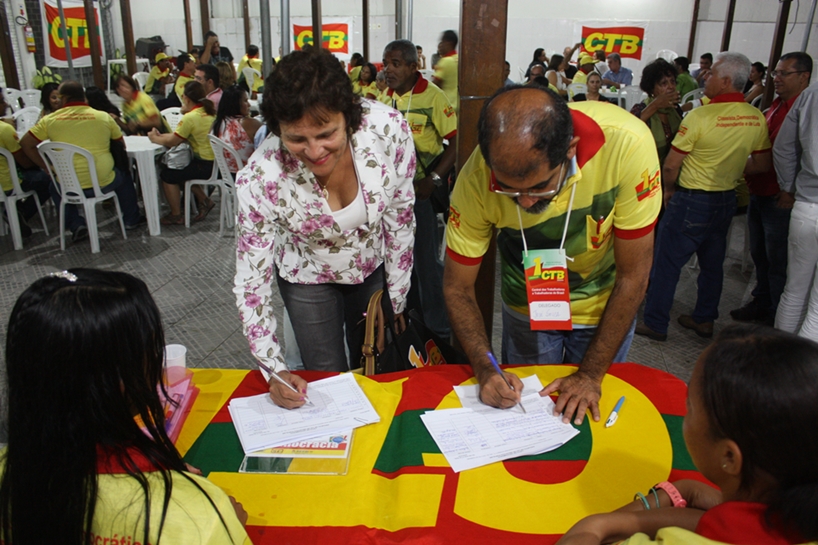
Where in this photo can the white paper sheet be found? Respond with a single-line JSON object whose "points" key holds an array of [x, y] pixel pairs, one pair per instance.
{"points": [[338, 405], [472, 438], [470, 395]]}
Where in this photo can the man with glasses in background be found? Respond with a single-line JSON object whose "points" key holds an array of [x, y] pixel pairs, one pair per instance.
{"points": [[574, 192], [768, 216]]}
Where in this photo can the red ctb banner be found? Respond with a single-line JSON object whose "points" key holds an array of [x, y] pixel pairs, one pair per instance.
{"points": [[625, 40], [77, 29], [335, 37]]}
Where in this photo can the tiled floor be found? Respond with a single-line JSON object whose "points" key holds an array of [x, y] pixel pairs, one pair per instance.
{"points": [[190, 273]]}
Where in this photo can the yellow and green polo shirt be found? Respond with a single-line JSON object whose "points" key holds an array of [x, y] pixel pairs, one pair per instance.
{"points": [[580, 77], [618, 194], [446, 71], [140, 109], [8, 140], [153, 79], [431, 119], [194, 127], [354, 74], [363, 90], [79, 124], [716, 139], [179, 88], [255, 64]]}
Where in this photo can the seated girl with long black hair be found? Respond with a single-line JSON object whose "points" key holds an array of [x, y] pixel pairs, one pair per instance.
{"points": [[752, 409], [88, 460]]}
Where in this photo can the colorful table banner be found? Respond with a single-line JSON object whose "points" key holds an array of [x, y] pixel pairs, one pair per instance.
{"points": [[77, 28], [399, 487], [628, 41], [337, 35]]}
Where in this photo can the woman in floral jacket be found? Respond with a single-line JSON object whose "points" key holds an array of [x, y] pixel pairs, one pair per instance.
{"points": [[326, 212]]}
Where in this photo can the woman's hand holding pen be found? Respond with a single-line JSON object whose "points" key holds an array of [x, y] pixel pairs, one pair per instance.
{"points": [[285, 397]]}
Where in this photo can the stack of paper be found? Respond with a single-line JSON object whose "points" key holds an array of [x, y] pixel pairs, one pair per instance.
{"points": [[338, 405], [478, 435]]}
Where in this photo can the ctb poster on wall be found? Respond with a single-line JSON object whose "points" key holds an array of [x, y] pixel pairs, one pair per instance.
{"points": [[337, 35], [77, 30], [628, 41]]}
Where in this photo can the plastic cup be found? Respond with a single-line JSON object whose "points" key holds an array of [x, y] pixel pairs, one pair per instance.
{"points": [[175, 355]]}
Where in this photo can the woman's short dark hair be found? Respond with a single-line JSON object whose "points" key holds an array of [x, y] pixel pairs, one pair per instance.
{"points": [[309, 83], [555, 62], [45, 95], [553, 127], [98, 100], [127, 79], [654, 72], [229, 106], [372, 71], [759, 388], [760, 68], [537, 52]]}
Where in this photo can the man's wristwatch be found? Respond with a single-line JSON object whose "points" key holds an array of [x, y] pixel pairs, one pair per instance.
{"points": [[436, 178]]}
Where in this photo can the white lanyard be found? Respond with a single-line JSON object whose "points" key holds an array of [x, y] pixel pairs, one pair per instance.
{"points": [[567, 220]]}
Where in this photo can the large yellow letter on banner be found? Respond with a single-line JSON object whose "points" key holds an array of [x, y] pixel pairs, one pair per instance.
{"points": [[630, 44], [626, 458], [336, 39], [56, 27]]}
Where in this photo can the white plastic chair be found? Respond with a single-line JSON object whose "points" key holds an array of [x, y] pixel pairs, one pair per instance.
{"points": [[577, 89], [213, 180], [630, 95], [220, 148], [59, 158], [757, 101], [695, 94], [250, 75], [25, 119], [141, 79], [31, 98], [172, 116], [10, 201], [13, 97], [666, 54]]}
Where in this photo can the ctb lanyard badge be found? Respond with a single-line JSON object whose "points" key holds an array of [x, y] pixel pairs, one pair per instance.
{"points": [[549, 296]]}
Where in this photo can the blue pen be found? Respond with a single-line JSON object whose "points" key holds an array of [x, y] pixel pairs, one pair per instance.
{"points": [[615, 413], [496, 365]]}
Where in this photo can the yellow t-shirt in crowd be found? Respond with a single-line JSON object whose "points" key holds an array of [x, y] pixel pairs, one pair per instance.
{"points": [[153, 79], [140, 109], [194, 127], [431, 119], [446, 72], [716, 139], [617, 186], [580, 77], [354, 74], [179, 88], [363, 90], [8, 140], [255, 64], [79, 124]]}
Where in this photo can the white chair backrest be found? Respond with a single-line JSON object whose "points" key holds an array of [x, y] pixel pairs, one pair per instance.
{"points": [[31, 98], [12, 166], [577, 89], [757, 101], [26, 118], [220, 147], [666, 54], [141, 79], [630, 95], [695, 94], [172, 116], [693, 66], [250, 75], [13, 97], [59, 158]]}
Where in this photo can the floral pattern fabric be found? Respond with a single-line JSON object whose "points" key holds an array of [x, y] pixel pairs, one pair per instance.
{"points": [[285, 224], [234, 134]]}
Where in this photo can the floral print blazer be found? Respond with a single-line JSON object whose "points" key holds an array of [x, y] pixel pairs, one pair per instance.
{"points": [[285, 223]]}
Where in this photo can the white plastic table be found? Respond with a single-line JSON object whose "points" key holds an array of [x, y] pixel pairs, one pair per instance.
{"points": [[143, 151]]}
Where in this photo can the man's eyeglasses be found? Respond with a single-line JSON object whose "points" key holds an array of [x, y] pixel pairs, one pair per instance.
{"points": [[783, 74], [535, 193]]}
